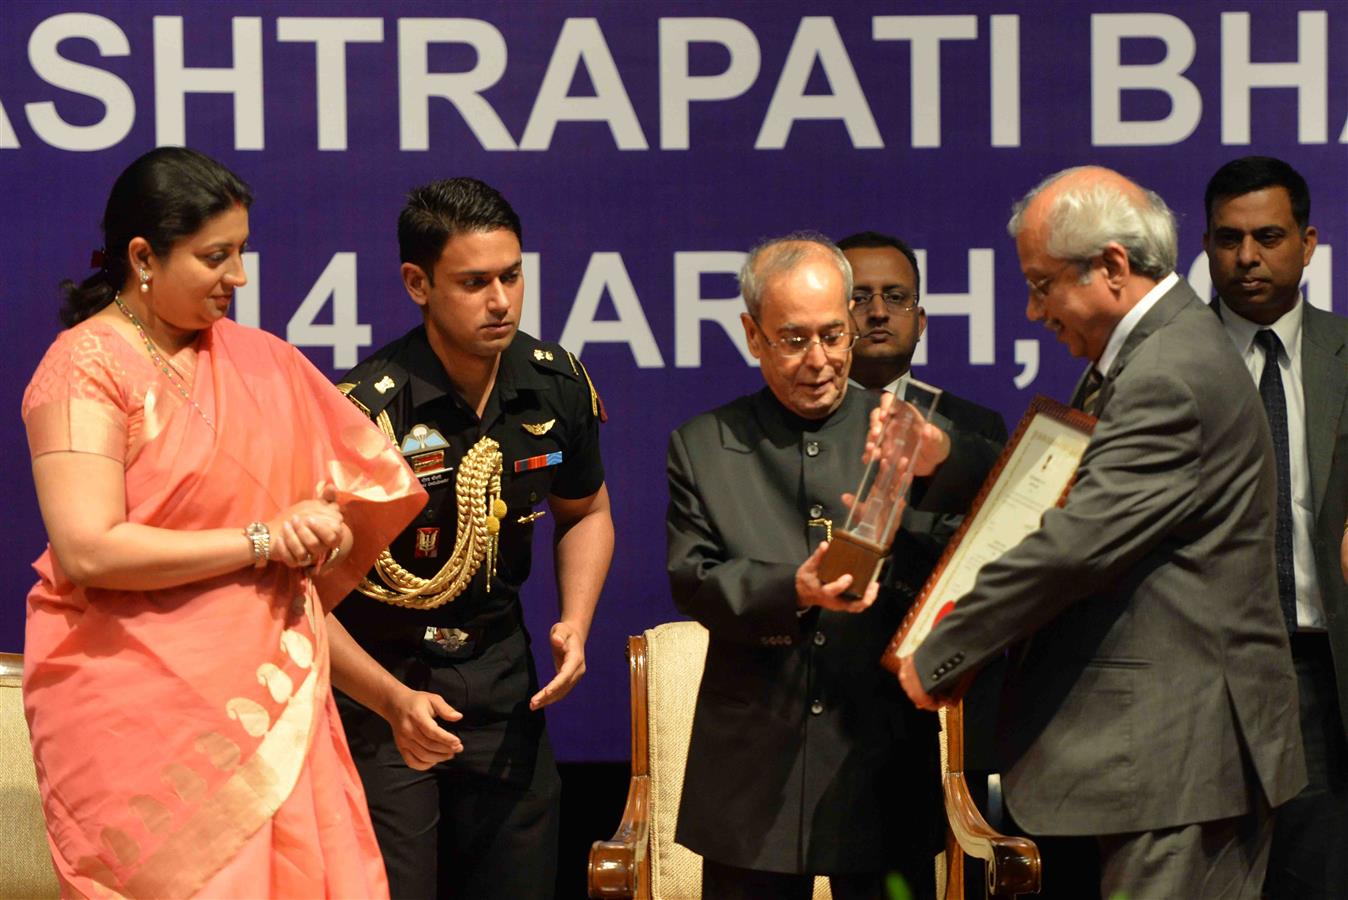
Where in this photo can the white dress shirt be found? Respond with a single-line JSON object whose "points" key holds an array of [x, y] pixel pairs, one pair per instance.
{"points": [[1130, 320]]}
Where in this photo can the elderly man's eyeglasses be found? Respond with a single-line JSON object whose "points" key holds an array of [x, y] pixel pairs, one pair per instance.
{"points": [[835, 344], [1040, 289], [895, 300]]}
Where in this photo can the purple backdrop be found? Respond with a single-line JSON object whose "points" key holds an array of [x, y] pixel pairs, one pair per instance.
{"points": [[645, 146]]}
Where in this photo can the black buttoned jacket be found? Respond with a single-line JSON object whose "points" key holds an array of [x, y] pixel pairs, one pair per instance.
{"points": [[804, 756]]}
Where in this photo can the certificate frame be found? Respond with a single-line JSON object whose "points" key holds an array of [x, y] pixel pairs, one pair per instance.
{"points": [[1043, 453]]}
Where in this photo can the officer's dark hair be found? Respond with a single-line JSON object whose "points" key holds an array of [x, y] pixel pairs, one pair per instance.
{"points": [[874, 240], [440, 210], [1254, 173], [163, 197]]}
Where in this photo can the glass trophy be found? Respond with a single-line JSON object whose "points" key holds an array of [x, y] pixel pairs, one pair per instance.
{"points": [[862, 544]]}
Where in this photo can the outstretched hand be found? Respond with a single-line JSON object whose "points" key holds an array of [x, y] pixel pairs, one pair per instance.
{"points": [[568, 654], [933, 450], [420, 740]]}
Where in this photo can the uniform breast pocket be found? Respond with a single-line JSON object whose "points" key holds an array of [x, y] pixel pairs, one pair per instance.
{"points": [[525, 495]]}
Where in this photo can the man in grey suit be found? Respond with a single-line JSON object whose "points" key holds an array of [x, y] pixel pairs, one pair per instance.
{"points": [[1154, 707], [1258, 240], [804, 757]]}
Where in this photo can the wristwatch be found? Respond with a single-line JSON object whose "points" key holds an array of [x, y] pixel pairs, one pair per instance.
{"points": [[259, 535]]}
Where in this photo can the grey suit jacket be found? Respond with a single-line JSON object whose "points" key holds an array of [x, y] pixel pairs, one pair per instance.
{"points": [[1158, 689], [1324, 375]]}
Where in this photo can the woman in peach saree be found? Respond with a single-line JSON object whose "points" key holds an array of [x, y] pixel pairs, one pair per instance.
{"points": [[207, 496]]}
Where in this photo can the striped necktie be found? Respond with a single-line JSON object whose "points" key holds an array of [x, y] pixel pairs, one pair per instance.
{"points": [[1090, 392]]}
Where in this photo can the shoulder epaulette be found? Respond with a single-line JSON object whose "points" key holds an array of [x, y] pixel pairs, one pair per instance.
{"points": [[596, 404], [376, 390], [555, 358], [549, 357]]}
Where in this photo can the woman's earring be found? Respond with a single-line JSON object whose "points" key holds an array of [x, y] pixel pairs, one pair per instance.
{"points": [[144, 282]]}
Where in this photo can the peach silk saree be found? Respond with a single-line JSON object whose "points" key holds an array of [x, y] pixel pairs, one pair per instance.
{"points": [[186, 739]]}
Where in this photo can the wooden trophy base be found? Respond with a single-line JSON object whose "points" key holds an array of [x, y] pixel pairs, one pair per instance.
{"points": [[849, 554]]}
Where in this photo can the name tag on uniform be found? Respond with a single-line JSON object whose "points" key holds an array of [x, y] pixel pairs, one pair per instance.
{"points": [[539, 462], [428, 463]]}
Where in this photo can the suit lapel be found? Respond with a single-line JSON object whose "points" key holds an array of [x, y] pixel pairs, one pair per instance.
{"points": [[1325, 381], [1165, 309]]}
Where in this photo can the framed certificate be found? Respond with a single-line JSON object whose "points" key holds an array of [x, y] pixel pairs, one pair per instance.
{"points": [[1033, 474]]}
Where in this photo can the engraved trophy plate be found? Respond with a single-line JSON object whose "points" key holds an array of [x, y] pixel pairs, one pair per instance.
{"points": [[861, 545]]}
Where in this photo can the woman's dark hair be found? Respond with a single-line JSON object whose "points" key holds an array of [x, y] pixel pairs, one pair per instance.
{"points": [[163, 196]]}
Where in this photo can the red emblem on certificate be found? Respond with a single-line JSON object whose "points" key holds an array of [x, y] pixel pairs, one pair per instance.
{"points": [[428, 542]]}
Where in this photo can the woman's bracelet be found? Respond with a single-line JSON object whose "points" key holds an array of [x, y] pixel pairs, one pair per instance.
{"points": [[259, 536]]}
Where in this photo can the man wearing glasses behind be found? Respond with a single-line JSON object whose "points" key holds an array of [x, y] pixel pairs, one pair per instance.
{"points": [[801, 760], [888, 317], [889, 321]]}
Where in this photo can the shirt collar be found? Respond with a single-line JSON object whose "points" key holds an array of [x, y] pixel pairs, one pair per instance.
{"points": [[895, 387], [430, 382], [1129, 321], [426, 375], [1242, 330]]}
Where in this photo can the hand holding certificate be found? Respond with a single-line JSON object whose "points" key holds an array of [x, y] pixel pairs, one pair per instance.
{"points": [[1034, 474]]}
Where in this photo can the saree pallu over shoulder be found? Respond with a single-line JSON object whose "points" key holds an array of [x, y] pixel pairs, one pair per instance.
{"points": [[199, 704]]}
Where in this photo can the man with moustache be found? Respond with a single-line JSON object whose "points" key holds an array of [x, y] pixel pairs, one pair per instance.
{"points": [[437, 687], [889, 319], [1153, 709], [802, 759], [1259, 240]]}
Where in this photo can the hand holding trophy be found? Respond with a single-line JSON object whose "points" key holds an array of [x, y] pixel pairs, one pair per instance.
{"points": [[863, 543]]}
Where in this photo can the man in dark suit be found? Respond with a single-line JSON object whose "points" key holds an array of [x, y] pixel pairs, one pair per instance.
{"points": [[888, 316], [1154, 706], [1258, 240], [803, 760]]}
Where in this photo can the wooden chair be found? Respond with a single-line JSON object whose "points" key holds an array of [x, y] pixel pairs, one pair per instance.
{"points": [[25, 860], [1012, 864], [641, 860]]}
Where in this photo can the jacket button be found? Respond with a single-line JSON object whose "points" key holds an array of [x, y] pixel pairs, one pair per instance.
{"points": [[816, 511], [812, 448], [819, 639], [816, 708]]}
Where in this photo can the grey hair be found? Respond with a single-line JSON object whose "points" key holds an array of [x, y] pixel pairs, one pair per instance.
{"points": [[777, 256], [1084, 218]]}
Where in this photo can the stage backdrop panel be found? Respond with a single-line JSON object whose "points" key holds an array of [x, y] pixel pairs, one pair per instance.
{"points": [[646, 147]]}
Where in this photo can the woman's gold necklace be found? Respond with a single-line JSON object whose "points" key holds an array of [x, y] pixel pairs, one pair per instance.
{"points": [[174, 377]]}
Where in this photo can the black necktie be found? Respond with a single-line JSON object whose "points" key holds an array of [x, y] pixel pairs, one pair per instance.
{"points": [[1275, 407]]}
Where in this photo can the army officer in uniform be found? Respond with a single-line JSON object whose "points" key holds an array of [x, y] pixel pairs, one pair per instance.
{"points": [[439, 695]]}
